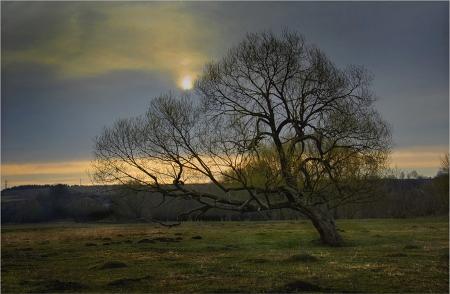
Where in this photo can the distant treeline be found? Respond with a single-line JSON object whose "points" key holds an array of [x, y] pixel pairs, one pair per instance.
{"points": [[26, 187], [58, 202], [408, 198]]}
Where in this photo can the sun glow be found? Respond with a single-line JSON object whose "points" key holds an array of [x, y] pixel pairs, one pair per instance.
{"points": [[186, 83]]}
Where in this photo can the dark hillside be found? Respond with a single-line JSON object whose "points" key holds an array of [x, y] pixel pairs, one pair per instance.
{"points": [[30, 192], [9, 195], [33, 203], [408, 198]]}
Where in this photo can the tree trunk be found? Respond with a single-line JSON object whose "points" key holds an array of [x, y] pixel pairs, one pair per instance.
{"points": [[325, 226]]}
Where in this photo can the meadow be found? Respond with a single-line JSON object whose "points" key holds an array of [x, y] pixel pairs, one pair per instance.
{"points": [[218, 257]]}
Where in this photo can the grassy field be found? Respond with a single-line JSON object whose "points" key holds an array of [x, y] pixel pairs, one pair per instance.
{"points": [[283, 256]]}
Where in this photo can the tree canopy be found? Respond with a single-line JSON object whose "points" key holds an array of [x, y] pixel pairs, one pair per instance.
{"points": [[274, 124]]}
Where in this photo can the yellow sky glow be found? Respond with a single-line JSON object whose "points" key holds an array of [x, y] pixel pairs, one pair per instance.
{"points": [[45, 168], [134, 36], [67, 172], [425, 160], [422, 159]]}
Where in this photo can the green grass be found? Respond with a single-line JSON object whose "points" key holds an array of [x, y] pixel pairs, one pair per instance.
{"points": [[285, 256]]}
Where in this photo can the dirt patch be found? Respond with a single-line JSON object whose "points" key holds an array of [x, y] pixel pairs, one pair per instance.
{"points": [[19, 254], [146, 241], [126, 281], [412, 247], [163, 239], [304, 257], [58, 286], [300, 286], [397, 255], [160, 239], [112, 264], [256, 260], [229, 247]]}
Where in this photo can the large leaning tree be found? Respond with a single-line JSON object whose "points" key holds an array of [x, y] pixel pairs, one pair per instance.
{"points": [[274, 124]]}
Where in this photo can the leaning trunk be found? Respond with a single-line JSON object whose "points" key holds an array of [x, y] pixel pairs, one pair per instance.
{"points": [[326, 228]]}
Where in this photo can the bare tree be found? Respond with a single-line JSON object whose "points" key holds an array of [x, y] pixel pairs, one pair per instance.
{"points": [[274, 124], [441, 182], [444, 169]]}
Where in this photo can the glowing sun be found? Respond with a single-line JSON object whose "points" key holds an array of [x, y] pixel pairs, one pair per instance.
{"points": [[186, 83]]}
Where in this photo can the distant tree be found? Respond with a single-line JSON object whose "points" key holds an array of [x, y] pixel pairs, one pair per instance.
{"points": [[274, 120], [59, 196], [8, 212], [84, 209], [133, 199], [47, 205], [441, 182], [29, 211], [55, 202], [412, 175], [444, 168], [26, 187]]}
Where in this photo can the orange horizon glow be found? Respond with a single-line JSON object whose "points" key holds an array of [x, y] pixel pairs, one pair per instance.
{"points": [[419, 157], [66, 172], [425, 160]]}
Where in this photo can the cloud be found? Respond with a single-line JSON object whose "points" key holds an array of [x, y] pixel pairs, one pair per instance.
{"points": [[87, 39], [55, 120], [68, 68]]}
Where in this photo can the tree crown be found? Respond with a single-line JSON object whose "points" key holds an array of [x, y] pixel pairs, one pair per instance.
{"points": [[274, 118]]}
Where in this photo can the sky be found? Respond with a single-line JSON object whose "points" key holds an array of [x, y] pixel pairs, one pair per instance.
{"points": [[70, 68]]}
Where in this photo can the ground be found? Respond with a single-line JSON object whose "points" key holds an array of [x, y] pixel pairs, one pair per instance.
{"points": [[273, 256]]}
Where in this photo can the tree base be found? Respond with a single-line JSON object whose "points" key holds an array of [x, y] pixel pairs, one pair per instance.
{"points": [[326, 227]]}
